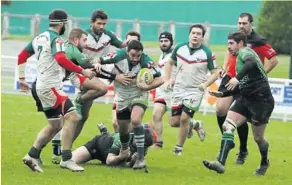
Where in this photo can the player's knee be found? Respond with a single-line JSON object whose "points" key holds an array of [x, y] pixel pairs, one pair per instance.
{"points": [[221, 110], [259, 139], [157, 117], [229, 126], [136, 122], [174, 122]]}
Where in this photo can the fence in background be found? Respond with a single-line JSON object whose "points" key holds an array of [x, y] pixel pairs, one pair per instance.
{"points": [[32, 25]]}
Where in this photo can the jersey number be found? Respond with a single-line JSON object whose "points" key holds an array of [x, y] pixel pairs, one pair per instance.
{"points": [[40, 49]]}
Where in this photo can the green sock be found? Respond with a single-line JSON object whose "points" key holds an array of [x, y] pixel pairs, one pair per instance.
{"points": [[226, 145], [139, 137]]}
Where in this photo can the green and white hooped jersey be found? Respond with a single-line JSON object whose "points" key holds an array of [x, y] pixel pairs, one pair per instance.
{"points": [[123, 65], [192, 66], [49, 73], [97, 46]]}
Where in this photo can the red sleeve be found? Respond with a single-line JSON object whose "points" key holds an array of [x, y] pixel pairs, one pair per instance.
{"points": [[63, 61], [23, 56], [267, 51]]}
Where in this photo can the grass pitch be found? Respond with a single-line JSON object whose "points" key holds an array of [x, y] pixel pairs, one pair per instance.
{"points": [[21, 122]]}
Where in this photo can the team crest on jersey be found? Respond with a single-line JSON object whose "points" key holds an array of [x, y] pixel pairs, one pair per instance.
{"points": [[110, 55], [59, 41], [150, 65]]}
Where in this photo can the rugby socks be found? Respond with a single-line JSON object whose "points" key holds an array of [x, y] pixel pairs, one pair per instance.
{"points": [[264, 147], [227, 143], [66, 155], [34, 152], [56, 143], [56, 147], [178, 147], [243, 136], [139, 137], [220, 120], [125, 141]]}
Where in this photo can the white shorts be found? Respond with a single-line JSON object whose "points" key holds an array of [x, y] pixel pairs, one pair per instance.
{"points": [[191, 100], [77, 80], [163, 96], [122, 104], [51, 97]]}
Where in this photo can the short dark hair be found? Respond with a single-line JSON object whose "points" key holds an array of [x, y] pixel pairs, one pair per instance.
{"points": [[198, 26], [134, 33], [248, 15], [237, 37], [135, 45], [98, 14], [76, 32], [57, 16]]}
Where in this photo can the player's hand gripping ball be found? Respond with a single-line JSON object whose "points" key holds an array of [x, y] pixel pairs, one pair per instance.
{"points": [[145, 75]]}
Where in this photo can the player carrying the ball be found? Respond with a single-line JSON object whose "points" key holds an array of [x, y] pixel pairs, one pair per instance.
{"points": [[193, 60], [132, 99]]}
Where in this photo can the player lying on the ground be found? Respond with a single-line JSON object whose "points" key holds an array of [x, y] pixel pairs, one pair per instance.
{"points": [[107, 149], [254, 104]]}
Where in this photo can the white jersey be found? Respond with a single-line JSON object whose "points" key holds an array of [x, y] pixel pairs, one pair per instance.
{"points": [[192, 67], [98, 46], [49, 73], [163, 59]]}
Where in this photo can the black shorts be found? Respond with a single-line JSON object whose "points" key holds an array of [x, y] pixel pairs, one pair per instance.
{"points": [[36, 98], [99, 146], [257, 111]]}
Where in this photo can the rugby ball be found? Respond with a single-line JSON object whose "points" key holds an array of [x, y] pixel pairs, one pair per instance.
{"points": [[145, 75]]}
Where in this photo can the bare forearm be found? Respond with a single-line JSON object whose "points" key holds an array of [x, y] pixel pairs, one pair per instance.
{"points": [[156, 83], [211, 79], [168, 68], [112, 159], [270, 65]]}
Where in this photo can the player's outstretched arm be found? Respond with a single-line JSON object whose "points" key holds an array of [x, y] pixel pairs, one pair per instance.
{"points": [[269, 66], [215, 73]]}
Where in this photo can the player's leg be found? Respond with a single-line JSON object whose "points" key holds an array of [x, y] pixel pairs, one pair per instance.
{"points": [[185, 119], [114, 118], [263, 145], [137, 113], [95, 87], [159, 110], [81, 155], [260, 113], [236, 116], [84, 116], [68, 132], [222, 107], [43, 137]]}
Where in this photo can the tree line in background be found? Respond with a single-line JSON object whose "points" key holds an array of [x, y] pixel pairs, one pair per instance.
{"points": [[275, 23]]}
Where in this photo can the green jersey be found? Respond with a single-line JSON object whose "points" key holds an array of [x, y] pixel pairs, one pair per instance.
{"points": [[253, 81]]}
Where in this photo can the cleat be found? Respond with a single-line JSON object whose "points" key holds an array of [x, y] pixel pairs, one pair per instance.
{"points": [[56, 159], [261, 171], [139, 164], [200, 130], [241, 157], [177, 152], [40, 161], [215, 166], [71, 165], [32, 163]]}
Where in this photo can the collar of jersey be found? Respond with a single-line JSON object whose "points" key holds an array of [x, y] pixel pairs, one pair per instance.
{"points": [[193, 50], [96, 37]]}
